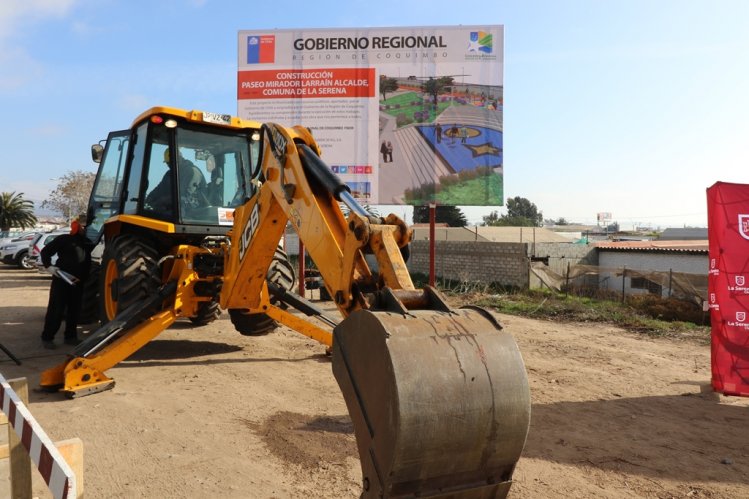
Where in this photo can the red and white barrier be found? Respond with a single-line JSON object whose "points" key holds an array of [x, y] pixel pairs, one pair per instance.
{"points": [[54, 469]]}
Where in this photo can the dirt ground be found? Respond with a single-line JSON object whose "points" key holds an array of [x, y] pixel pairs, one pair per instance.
{"points": [[206, 412]]}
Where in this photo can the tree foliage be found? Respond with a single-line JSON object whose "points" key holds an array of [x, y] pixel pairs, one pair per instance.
{"points": [[520, 213], [451, 215], [491, 220], [387, 85], [437, 86], [70, 197], [15, 211]]}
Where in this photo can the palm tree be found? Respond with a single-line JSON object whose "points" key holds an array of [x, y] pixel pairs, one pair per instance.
{"points": [[15, 211]]}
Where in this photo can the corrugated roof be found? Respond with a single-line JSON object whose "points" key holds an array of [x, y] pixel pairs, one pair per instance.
{"points": [[690, 246]]}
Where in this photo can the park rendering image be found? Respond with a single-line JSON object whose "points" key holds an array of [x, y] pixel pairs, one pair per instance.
{"points": [[450, 138]]}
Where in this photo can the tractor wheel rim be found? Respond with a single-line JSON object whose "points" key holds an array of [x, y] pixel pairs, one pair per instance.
{"points": [[110, 276]]}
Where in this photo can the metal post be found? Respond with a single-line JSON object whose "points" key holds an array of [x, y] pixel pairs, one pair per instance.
{"points": [[534, 241], [432, 221], [670, 280], [624, 275]]}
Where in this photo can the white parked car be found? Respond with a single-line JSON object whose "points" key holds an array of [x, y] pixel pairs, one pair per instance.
{"points": [[39, 242], [7, 236], [16, 251]]}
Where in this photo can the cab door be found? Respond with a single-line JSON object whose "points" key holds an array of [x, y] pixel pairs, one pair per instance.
{"points": [[105, 200]]}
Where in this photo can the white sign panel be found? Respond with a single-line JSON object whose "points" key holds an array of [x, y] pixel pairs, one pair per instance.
{"points": [[402, 115]]}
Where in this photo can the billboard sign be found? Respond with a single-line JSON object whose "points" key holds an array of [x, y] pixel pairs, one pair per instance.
{"points": [[603, 217], [403, 115], [728, 234]]}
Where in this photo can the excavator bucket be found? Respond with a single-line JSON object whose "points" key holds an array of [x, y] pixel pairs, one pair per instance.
{"points": [[439, 401]]}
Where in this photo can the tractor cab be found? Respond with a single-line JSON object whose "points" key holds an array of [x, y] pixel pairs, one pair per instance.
{"points": [[188, 170]]}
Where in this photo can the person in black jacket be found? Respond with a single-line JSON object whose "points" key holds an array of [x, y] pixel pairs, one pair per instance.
{"points": [[74, 257]]}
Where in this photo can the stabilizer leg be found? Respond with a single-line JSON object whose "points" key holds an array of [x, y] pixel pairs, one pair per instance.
{"points": [[83, 374]]}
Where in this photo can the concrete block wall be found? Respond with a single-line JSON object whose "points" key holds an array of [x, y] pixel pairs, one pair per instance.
{"points": [[562, 254], [505, 264]]}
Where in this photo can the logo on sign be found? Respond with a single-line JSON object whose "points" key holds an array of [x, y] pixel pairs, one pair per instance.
{"points": [[740, 316], [739, 280], [713, 270], [712, 297], [480, 41], [744, 226], [261, 49]]}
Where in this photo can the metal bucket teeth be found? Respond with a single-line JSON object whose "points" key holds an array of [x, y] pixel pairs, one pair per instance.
{"points": [[439, 401]]}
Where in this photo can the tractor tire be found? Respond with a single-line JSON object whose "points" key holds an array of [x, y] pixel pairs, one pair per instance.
{"points": [[130, 273], [90, 301], [281, 273], [208, 311]]}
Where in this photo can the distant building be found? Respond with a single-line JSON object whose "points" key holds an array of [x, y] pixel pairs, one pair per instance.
{"points": [[687, 234], [658, 267]]}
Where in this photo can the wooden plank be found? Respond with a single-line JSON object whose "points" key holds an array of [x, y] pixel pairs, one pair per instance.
{"points": [[20, 463], [72, 450], [4, 451]]}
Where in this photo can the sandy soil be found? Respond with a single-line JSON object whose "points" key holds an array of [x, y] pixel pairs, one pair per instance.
{"points": [[206, 412]]}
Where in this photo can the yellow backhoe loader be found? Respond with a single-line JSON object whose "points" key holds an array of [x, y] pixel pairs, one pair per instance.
{"points": [[191, 207]]}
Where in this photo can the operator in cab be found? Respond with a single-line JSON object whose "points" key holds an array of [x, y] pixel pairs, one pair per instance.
{"points": [[192, 186]]}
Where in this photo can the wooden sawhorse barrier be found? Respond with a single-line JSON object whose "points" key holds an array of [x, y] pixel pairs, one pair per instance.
{"points": [[60, 464]]}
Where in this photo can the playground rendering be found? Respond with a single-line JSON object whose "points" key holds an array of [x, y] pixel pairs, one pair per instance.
{"points": [[446, 149]]}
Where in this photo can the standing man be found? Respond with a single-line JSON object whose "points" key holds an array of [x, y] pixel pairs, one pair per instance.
{"points": [[438, 132], [384, 151], [453, 133], [73, 257], [463, 134]]}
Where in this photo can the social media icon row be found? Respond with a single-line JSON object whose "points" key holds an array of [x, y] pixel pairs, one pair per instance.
{"points": [[351, 169]]}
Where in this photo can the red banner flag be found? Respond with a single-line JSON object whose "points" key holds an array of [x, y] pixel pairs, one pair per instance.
{"points": [[728, 286]]}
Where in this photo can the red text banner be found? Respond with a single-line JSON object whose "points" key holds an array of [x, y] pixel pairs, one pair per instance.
{"points": [[728, 281], [306, 83]]}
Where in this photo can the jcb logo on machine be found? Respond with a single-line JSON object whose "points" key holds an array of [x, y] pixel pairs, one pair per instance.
{"points": [[279, 143], [249, 230]]}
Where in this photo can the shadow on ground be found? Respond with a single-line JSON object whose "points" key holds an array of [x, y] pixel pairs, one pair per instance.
{"points": [[686, 437]]}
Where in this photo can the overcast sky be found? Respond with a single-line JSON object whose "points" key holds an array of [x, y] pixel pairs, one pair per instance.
{"points": [[633, 108]]}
